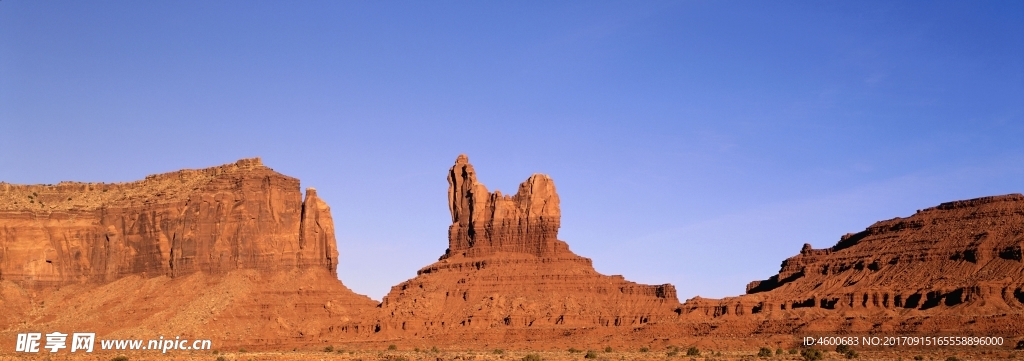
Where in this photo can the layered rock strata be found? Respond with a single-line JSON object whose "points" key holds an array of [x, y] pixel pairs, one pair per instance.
{"points": [[506, 276], [236, 216], [234, 253], [954, 267], [484, 223]]}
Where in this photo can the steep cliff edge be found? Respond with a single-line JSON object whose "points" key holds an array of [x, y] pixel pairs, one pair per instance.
{"points": [[507, 278], [236, 216], [232, 253]]}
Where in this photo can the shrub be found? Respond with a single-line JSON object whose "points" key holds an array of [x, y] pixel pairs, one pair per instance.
{"points": [[952, 358], [608, 349], [532, 357], [499, 351], [644, 349], [590, 354], [779, 351], [811, 354], [918, 358], [221, 358], [672, 353], [329, 349], [764, 352], [573, 350], [392, 347], [793, 351], [842, 349], [692, 351], [851, 354], [242, 350], [434, 349], [120, 358]]}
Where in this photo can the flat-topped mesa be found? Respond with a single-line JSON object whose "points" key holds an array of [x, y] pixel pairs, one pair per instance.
{"points": [[971, 241], [953, 267], [242, 215], [484, 223], [162, 187]]}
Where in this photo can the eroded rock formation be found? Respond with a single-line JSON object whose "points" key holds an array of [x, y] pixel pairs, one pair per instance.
{"points": [[236, 216], [484, 223], [236, 254], [954, 267], [506, 272], [233, 253]]}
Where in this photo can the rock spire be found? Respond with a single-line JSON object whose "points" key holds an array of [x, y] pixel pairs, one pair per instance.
{"points": [[484, 222]]}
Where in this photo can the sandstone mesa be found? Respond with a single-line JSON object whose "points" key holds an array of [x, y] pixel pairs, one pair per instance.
{"points": [[213, 251], [237, 254]]}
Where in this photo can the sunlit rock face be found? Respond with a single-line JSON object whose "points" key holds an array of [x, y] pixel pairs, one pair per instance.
{"points": [[484, 223], [505, 273], [236, 216], [952, 268], [233, 253]]}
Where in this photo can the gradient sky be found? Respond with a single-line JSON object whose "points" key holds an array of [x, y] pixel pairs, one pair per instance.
{"points": [[697, 143]]}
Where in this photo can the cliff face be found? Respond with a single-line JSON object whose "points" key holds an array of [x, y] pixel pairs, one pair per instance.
{"points": [[235, 254], [231, 253], [954, 267], [236, 216], [506, 272], [956, 245], [484, 223]]}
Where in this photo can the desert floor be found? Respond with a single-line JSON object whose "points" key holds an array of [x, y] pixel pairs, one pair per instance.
{"points": [[671, 354]]}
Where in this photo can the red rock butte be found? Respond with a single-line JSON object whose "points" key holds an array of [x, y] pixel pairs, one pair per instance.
{"points": [[213, 251], [236, 216], [236, 254], [485, 223], [506, 277]]}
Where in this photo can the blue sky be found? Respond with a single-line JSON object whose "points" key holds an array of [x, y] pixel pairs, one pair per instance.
{"points": [[697, 143]]}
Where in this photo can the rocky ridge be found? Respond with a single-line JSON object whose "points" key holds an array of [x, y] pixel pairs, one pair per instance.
{"points": [[951, 268]]}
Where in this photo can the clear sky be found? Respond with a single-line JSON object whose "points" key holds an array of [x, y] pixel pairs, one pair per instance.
{"points": [[697, 143]]}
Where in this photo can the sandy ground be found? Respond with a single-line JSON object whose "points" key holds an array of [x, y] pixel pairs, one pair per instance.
{"points": [[671, 354]]}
